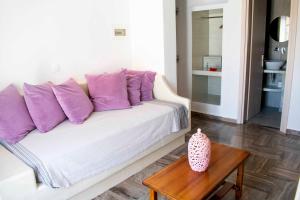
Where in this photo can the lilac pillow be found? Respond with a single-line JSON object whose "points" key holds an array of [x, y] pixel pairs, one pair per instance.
{"points": [[15, 121], [43, 107], [74, 102], [108, 91], [147, 85], [134, 89]]}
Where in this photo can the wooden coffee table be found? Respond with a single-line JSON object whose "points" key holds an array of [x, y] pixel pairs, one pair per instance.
{"points": [[178, 181]]}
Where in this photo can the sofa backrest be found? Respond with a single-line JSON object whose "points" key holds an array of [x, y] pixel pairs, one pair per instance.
{"points": [[84, 86]]}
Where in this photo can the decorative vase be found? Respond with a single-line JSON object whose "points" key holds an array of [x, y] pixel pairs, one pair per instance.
{"points": [[199, 150]]}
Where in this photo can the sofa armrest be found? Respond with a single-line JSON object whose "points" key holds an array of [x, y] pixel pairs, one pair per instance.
{"points": [[297, 196], [163, 92], [16, 178]]}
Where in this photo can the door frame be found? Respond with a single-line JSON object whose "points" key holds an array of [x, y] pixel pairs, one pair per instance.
{"points": [[249, 62], [290, 62]]}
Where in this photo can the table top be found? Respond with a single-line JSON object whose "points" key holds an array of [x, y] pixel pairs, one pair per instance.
{"points": [[178, 181]]}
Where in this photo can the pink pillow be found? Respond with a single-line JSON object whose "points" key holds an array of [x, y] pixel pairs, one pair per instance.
{"points": [[147, 85], [74, 102], [15, 121], [43, 107], [108, 91], [134, 89]]}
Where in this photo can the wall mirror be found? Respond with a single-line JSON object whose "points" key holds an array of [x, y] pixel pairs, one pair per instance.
{"points": [[279, 29], [207, 30], [207, 34]]}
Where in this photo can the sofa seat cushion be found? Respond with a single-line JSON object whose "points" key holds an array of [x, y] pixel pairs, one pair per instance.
{"points": [[70, 153]]}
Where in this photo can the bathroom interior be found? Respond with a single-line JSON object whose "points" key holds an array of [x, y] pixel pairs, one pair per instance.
{"points": [[275, 57], [207, 31]]}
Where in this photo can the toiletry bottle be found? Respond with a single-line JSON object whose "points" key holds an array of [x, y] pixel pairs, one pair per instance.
{"points": [[206, 67]]}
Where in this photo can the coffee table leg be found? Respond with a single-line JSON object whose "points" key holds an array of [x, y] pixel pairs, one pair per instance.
{"points": [[239, 181], [153, 194]]}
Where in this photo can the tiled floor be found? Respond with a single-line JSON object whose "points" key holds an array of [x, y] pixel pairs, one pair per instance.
{"points": [[272, 171], [270, 117]]}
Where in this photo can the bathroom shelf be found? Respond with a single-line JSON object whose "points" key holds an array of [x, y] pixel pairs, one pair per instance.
{"points": [[269, 71], [208, 99], [207, 73], [272, 89]]}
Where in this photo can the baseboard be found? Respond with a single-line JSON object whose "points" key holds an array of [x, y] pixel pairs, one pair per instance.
{"points": [[292, 132], [223, 119]]}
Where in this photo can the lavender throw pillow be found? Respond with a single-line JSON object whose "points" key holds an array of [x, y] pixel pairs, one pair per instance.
{"points": [[108, 91], [134, 89], [74, 102], [15, 121], [147, 85], [43, 107]]}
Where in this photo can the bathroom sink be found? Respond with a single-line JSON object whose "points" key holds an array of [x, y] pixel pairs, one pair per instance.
{"points": [[274, 64]]}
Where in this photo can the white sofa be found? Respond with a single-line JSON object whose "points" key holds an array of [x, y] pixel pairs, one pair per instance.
{"points": [[17, 180], [297, 196]]}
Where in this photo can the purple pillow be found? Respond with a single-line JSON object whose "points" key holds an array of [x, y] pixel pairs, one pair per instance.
{"points": [[108, 91], [43, 107], [15, 121], [74, 102], [134, 89], [148, 78]]}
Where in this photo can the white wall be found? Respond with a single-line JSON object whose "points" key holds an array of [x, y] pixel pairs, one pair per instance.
{"points": [[294, 113], [153, 29], [181, 42], [231, 58], [193, 3], [57, 39], [146, 25], [170, 64]]}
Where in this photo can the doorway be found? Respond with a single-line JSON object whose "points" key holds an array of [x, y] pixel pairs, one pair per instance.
{"points": [[266, 61]]}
